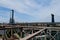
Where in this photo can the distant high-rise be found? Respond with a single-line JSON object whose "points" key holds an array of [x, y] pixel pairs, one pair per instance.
{"points": [[52, 15], [12, 17]]}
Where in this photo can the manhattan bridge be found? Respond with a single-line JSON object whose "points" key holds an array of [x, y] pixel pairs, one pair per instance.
{"points": [[30, 31]]}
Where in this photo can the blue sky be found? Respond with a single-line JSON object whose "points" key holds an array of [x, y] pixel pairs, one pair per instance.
{"points": [[30, 10]]}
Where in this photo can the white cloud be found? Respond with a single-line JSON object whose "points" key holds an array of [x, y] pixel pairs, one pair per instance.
{"points": [[30, 7]]}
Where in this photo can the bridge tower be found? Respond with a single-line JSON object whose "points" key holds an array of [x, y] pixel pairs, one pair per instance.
{"points": [[52, 19], [12, 17]]}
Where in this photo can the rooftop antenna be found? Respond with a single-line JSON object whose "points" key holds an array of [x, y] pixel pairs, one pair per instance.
{"points": [[12, 17], [52, 19]]}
